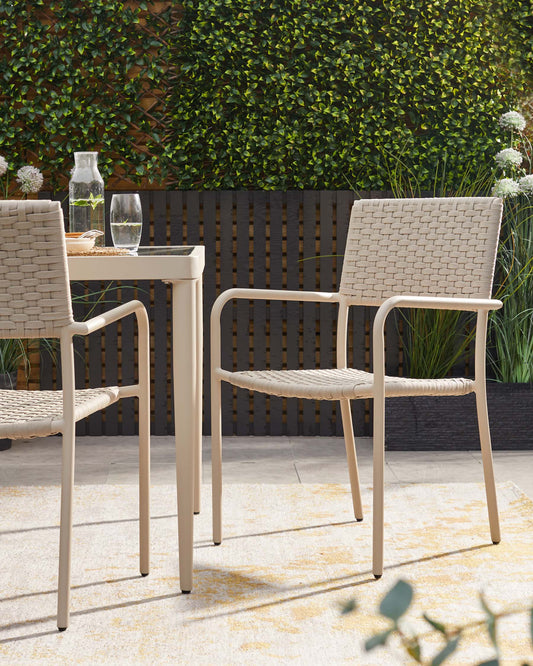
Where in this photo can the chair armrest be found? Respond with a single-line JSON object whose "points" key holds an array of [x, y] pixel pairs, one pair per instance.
{"points": [[94, 324], [429, 302], [258, 294], [481, 305], [437, 303], [101, 320], [272, 295]]}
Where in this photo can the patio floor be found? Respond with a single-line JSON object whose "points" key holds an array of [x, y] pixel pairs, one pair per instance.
{"points": [[254, 460]]}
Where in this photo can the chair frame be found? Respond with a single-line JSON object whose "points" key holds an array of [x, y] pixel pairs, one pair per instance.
{"points": [[34, 240], [67, 427], [481, 306]]}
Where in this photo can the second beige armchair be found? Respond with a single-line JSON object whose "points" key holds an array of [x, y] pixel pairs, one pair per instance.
{"points": [[412, 253]]}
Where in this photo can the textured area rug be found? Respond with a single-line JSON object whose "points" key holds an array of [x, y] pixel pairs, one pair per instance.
{"points": [[272, 592]]}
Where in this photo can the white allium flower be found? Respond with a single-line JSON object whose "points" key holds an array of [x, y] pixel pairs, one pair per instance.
{"points": [[506, 187], [30, 179], [508, 157], [512, 120], [526, 184], [3, 165]]}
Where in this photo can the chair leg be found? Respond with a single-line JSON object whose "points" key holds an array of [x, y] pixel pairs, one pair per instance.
{"points": [[216, 460], [349, 442], [65, 528], [144, 485], [379, 490], [488, 469]]}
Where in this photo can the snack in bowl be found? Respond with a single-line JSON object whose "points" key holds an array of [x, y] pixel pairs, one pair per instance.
{"points": [[75, 243]]}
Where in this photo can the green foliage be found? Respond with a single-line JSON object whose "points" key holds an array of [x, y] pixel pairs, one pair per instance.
{"points": [[436, 625], [450, 647], [515, 29], [284, 95], [271, 95], [491, 621], [72, 74], [349, 607], [395, 603], [12, 354], [15, 353], [434, 341], [511, 328], [377, 640], [394, 606]]}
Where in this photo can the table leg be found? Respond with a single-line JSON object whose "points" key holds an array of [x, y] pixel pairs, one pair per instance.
{"points": [[185, 378], [198, 397]]}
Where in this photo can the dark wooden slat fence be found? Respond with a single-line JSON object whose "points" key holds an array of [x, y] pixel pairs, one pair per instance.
{"points": [[252, 238]]}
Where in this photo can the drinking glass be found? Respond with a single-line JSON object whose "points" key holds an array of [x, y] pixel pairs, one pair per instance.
{"points": [[126, 221]]}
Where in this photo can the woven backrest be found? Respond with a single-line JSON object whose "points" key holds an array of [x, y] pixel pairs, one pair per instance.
{"points": [[424, 247], [34, 286]]}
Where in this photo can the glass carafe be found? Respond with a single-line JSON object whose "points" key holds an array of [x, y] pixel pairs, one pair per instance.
{"points": [[86, 195]]}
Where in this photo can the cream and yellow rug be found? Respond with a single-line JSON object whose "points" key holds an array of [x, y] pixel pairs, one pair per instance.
{"points": [[272, 592]]}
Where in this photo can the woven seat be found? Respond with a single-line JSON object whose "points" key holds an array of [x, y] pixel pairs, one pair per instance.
{"points": [[26, 414], [336, 384], [411, 253], [35, 303]]}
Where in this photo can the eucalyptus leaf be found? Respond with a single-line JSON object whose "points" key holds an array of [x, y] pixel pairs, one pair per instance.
{"points": [[397, 600], [377, 640], [349, 607], [414, 650], [436, 625], [447, 650], [490, 622]]}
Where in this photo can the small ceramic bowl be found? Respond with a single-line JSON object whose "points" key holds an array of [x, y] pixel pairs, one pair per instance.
{"points": [[77, 244]]}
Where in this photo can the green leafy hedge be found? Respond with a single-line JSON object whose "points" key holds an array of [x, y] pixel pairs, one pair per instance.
{"points": [[72, 74], [321, 94], [278, 94]]}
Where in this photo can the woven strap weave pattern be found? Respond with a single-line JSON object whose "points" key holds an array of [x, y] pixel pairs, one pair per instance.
{"points": [[334, 384], [428, 247], [39, 413], [34, 287]]}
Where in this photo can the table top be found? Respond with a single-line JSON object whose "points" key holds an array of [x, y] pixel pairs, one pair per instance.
{"points": [[166, 262]]}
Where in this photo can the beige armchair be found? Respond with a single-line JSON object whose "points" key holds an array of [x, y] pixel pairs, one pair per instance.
{"points": [[411, 253], [35, 303]]}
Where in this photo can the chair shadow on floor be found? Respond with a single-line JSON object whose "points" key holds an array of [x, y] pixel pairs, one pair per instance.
{"points": [[340, 583]]}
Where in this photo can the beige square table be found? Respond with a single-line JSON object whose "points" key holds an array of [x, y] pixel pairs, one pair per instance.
{"points": [[182, 267]]}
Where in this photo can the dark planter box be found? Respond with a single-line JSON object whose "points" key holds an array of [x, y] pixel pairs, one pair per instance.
{"points": [[431, 423]]}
